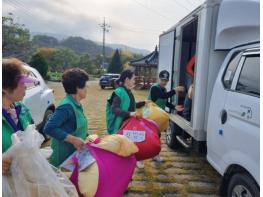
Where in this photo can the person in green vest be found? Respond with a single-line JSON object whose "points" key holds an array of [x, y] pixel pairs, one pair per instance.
{"points": [[159, 95], [15, 115], [68, 126], [121, 104]]}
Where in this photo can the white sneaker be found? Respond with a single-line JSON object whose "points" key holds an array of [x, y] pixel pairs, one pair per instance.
{"points": [[140, 164], [158, 158]]}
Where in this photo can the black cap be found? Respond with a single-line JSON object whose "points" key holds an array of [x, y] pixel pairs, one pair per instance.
{"points": [[164, 74]]}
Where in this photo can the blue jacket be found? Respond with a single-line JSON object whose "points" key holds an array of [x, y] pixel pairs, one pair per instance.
{"points": [[61, 123]]}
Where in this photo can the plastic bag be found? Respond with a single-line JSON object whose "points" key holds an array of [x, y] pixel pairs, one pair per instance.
{"points": [[144, 133], [46, 152], [7, 187], [31, 173], [155, 113]]}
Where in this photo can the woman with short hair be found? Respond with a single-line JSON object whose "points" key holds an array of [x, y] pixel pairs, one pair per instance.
{"points": [[68, 125], [15, 115]]}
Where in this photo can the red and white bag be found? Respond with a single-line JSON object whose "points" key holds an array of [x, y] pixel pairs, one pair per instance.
{"points": [[145, 134]]}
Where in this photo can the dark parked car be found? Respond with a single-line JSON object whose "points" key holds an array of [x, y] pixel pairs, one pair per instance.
{"points": [[108, 80]]}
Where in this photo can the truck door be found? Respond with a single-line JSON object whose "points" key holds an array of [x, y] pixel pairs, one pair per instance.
{"points": [[166, 54], [240, 116], [233, 127], [215, 128]]}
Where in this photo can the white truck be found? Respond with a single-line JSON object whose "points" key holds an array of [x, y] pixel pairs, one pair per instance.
{"points": [[220, 42], [39, 99]]}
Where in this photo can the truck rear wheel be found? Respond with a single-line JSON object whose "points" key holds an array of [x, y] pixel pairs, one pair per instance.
{"points": [[241, 185], [171, 133]]}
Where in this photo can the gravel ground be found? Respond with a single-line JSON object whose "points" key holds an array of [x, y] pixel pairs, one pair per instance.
{"points": [[180, 174]]}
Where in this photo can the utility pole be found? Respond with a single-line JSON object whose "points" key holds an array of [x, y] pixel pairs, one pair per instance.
{"points": [[105, 28]]}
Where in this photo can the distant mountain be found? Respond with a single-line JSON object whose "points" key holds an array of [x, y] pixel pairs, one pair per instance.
{"points": [[82, 46], [59, 37], [131, 49], [79, 44]]}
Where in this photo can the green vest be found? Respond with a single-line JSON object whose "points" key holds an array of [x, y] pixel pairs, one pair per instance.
{"points": [[113, 121], [7, 130], [160, 102], [61, 149]]}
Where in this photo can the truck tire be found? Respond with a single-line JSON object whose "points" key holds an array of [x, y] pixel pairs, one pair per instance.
{"points": [[102, 87], [242, 184], [47, 115], [171, 133]]}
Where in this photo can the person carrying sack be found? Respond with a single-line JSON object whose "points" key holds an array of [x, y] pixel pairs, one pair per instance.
{"points": [[68, 126], [121, 104]]}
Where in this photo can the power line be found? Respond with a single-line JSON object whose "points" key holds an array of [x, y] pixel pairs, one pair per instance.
{"points": [[190, 2], [153, 10], [21, 6], [140, 28], [137, 30], [14, 5], [181, 5], [24, 10]]}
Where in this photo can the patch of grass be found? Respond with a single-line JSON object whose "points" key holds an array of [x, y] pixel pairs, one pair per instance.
{"points": [[201, 190]]}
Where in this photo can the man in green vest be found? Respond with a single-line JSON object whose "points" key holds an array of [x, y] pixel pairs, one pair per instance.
{"points": [[159, 95]]}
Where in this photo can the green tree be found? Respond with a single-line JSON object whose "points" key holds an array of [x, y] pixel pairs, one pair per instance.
{"points": [[49, 54], [86, 64], [60, 59], [15, 39], [39, 62], [115, 64], [65, 58], [127, 56]]}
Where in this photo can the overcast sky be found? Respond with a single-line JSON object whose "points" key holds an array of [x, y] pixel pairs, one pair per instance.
{"points": [[136, 23]]}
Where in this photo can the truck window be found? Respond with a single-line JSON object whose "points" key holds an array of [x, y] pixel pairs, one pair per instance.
{"points": [[249, 79], [231, 69]]}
